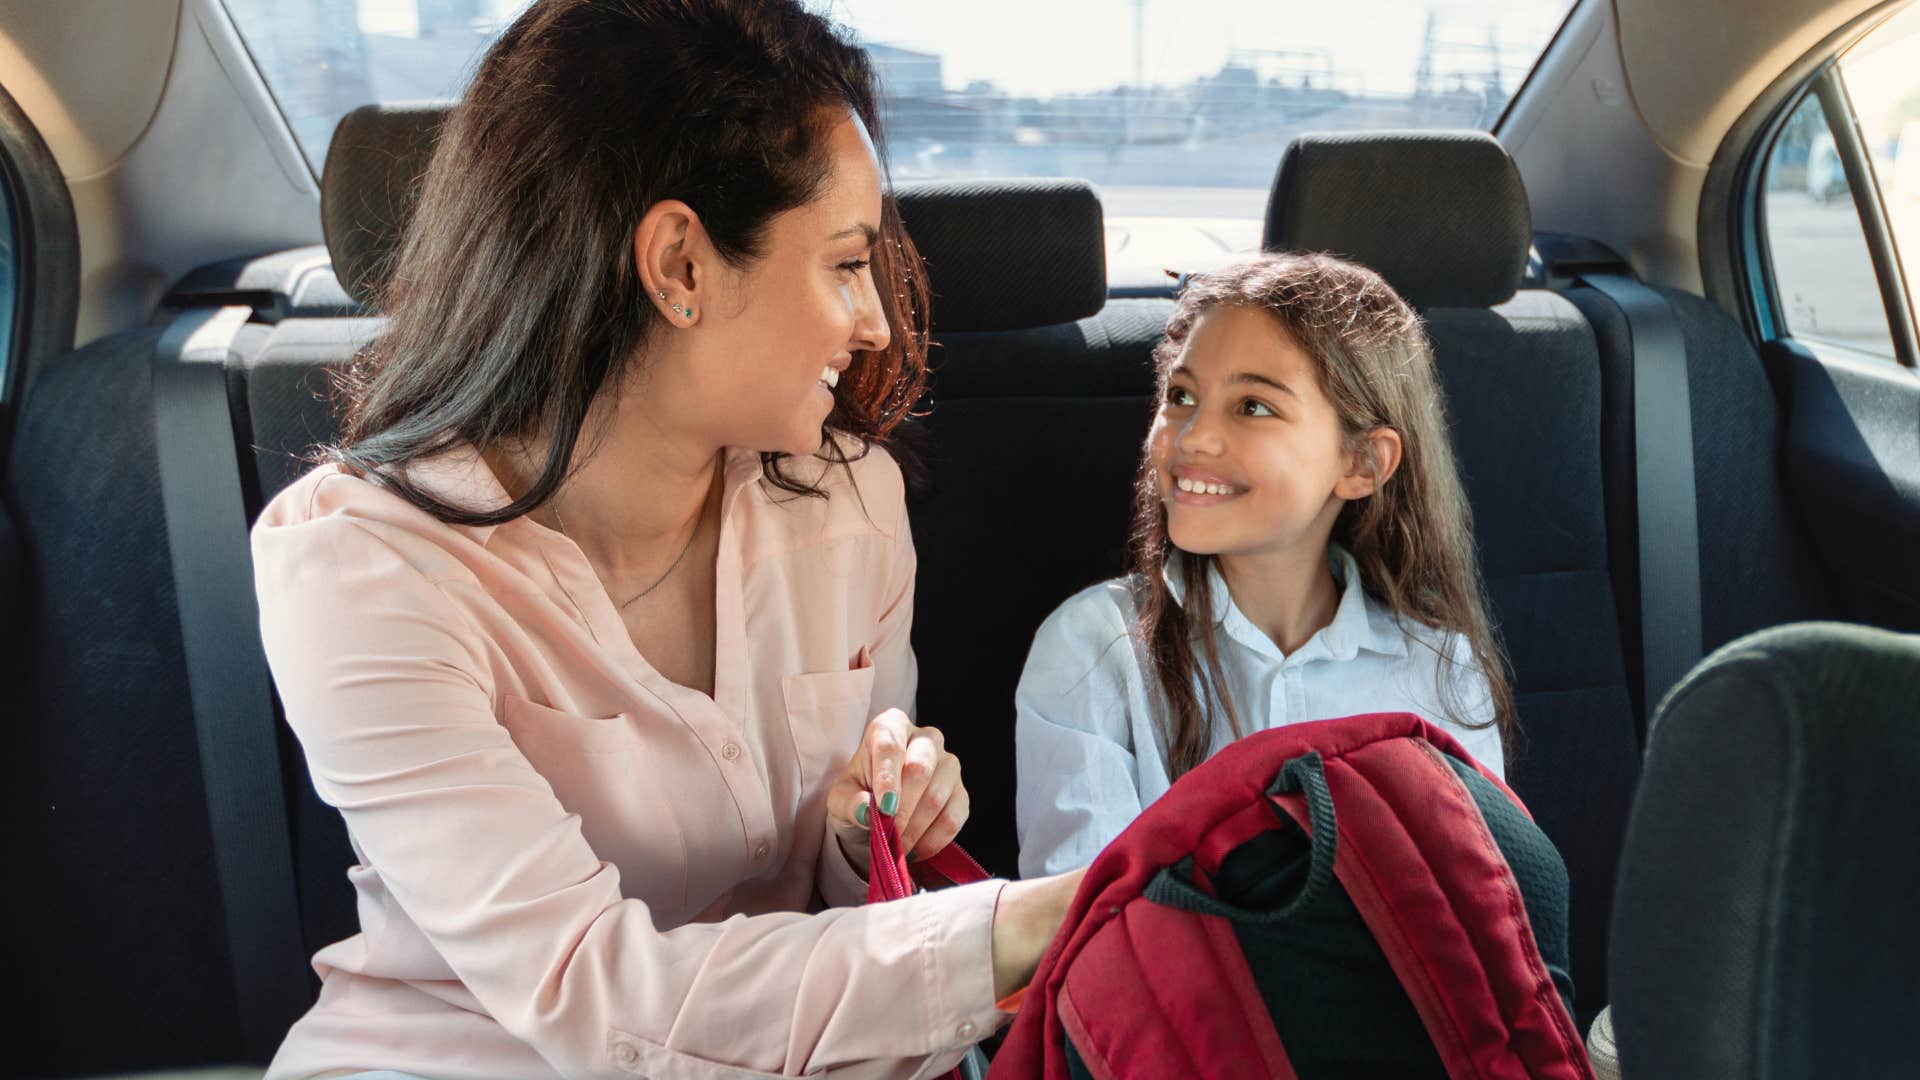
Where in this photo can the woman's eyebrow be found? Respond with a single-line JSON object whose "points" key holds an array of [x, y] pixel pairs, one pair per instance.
{"points": [[862, 229]]}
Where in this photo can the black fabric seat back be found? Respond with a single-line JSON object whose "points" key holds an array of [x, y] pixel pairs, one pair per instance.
{"points": [[1444, 217], [1764, 921], [116, 904], [1757, 566], [1035, 437]]}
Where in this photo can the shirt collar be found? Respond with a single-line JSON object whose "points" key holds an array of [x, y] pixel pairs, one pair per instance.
{"points": [[460, 476], [1359, 622]]}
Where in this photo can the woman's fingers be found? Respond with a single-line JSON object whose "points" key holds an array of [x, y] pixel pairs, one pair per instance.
{"points": [[905, 771], [942, 827], [942, 785], [886, 750], [918, 765], [844, 802]]}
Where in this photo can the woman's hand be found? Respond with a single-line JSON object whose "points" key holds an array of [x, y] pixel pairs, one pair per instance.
{"points": [[906, 770]]}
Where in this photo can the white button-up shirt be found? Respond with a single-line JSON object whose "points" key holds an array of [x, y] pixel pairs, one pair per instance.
{"points": [[1091, 752]]}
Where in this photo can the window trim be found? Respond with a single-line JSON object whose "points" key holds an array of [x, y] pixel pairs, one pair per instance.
{"points": [[1734, 267], [1868, 204], [1561, 33]]}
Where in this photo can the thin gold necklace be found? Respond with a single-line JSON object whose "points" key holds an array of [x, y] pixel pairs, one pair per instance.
{"points": [[691, 537]]}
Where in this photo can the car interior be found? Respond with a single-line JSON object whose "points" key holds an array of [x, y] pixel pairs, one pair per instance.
{"points": [[1663, 279]]}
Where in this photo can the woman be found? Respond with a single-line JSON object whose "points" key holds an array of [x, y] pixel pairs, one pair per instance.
{"points": [[595, 624]]}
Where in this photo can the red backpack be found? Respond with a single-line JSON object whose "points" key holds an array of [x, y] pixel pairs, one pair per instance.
{"points": [[1401, 948]]}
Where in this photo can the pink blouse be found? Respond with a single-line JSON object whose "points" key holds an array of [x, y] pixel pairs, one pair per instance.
{"points": [[568, 864]]}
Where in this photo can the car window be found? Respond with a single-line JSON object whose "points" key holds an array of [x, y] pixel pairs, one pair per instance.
{"points": [[1824, 282], [1823, 226], [1178, 109], [1881, 77]]}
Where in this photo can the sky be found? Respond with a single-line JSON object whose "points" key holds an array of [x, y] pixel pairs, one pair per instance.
{"points": [[1044, 47]]}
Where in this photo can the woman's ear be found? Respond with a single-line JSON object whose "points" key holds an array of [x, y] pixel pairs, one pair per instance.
{"points": [[668, 251], [1371, 465]]}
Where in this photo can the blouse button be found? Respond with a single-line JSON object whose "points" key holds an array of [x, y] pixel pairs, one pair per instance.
{"points": [[730, 751], [760, 852], [625, 1054], [966, 1030]]}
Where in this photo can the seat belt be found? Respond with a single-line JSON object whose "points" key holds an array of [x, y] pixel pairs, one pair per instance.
{"points": [[1670, 633], [227, 677]]}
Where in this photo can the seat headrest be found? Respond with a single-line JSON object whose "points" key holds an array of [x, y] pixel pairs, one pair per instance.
{"points": [[368, 187], [1008, 254], [1442, 215], [1763, 917], [1001, 254]]}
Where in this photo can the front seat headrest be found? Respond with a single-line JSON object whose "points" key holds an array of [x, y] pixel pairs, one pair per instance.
{"points": [[368, 187], [1441, 215], [1763, 919]]}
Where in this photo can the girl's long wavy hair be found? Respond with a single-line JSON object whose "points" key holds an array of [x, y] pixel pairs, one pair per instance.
{"points": [[513, 299], [1412, 538]]}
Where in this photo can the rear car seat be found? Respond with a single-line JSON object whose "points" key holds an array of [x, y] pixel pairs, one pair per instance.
{"points": [[1443, 216]]}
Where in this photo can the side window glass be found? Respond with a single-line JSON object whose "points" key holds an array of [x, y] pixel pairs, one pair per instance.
{"points": [[1823, 274], [1881, 76]]}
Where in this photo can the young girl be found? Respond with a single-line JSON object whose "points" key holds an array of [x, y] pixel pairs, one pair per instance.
{"points": [[1302, 550]]}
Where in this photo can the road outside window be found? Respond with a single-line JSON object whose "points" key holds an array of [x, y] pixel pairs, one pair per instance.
{"points": [[1823, 274]]}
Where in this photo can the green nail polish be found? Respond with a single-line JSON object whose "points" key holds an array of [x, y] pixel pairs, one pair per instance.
{"points": [[860, 815], [890, 802]]}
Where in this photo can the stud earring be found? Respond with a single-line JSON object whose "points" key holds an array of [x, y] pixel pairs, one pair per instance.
{"points": [[661, 293]]}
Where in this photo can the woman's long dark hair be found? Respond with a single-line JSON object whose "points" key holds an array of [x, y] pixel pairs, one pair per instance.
{"points": [[1412, 538], [513, 297]]}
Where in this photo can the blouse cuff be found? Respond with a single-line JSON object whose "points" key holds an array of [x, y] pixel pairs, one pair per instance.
{"points": [[957, 926]]}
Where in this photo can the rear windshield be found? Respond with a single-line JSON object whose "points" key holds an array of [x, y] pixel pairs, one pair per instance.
{"points": [[1177, 109]]}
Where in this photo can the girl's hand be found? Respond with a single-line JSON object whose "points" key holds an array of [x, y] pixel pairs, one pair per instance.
{"points": [[906, 770], [1024, 924]]}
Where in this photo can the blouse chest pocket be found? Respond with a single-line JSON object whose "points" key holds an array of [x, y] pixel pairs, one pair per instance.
{"points": [[827, 712], [558, 733], [602, 769]]}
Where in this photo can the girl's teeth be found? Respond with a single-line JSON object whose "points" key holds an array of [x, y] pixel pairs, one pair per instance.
{"points": [[830, 377], [1201, 488]]}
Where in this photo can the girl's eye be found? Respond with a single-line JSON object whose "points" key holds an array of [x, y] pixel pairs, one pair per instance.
{"points": [[854, 266], [1178, 396], [1250, 407]]}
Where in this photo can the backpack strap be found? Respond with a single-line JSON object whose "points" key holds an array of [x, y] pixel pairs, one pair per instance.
{"points": [[1173, 886], [1432, 885]]}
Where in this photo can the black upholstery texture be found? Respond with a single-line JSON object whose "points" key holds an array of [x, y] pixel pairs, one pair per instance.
{"points": [[1758, 567], [1522, 385], [1764, 925], [122, 929], [288, 399], [1036, 436], [1442, 215], [368, 187], [1008, 254], [13, 584]]}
